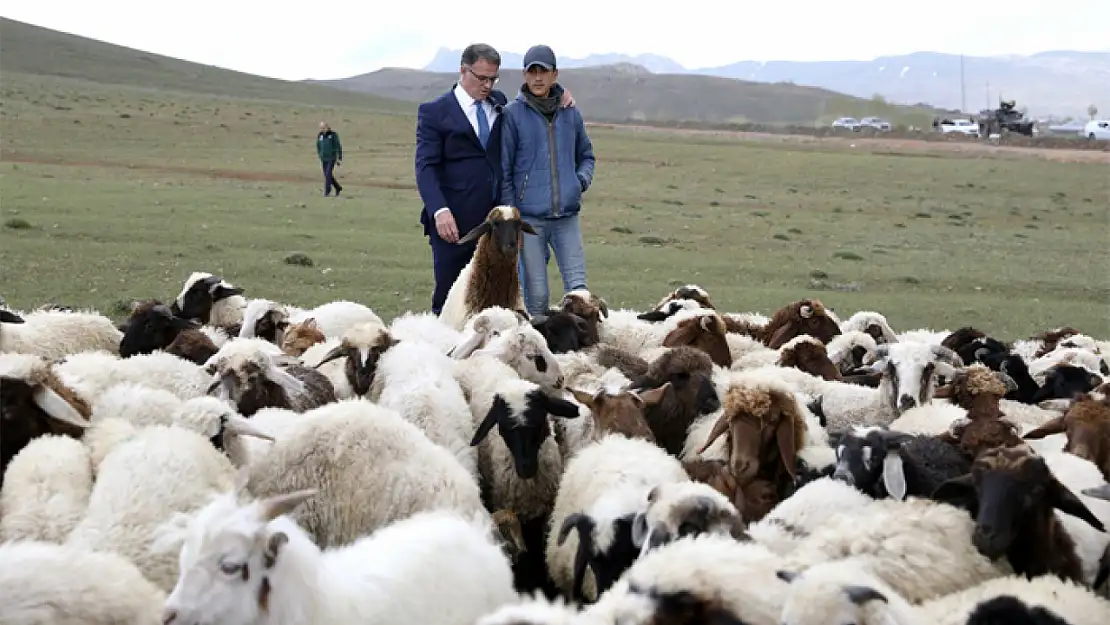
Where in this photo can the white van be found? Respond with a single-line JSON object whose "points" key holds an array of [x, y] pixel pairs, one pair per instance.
{"points": [[1097, 129]]}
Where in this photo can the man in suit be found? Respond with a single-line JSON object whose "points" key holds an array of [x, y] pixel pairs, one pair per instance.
{"points": [[458, 162]]}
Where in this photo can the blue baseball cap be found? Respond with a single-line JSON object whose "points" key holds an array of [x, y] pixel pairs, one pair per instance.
{"points": [[539, 55]]}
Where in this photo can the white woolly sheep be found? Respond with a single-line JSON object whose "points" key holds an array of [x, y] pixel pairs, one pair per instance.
{"points": [[425, 327], [681, 508], [372, 468], [1016, 599], [482, 327], [251, 563], [706, 579], [799, 515], [146, 478], [210, 300], [54, 335], [535, 610], [45, 583], [417, 380], [851, 349], [602, 491], [491, 277], [872, 324], [844, 591], [46, 490], [92, 373], [268, 320]]}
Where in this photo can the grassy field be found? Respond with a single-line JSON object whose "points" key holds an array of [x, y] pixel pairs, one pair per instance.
{"points": [[110, 193]]}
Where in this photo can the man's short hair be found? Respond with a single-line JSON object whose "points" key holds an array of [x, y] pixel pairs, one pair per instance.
{"points": [[478, 51]]}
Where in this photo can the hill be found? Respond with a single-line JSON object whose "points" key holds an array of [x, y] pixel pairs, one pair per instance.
{"points": [[1057, 82], [625, 92], [29, 49]]}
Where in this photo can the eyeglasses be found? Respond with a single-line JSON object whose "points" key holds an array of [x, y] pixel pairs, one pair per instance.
{"points": [[484, 79]]}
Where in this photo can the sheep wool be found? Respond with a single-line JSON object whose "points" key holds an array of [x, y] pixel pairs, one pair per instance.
{"points": [[47, 584], [46, 490], [54, 334]]}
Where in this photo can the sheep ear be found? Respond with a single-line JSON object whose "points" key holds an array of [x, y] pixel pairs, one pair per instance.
{"points": [[1056, 426], [223, 291], [779, 337], [583, 398], [487, 424], [473, 235], [604, 307], [654, 315], [860, 595], [719, 428], [894, 476], [284, 379], [654, 396], [1098, 492], [273, 507], [1065, 501], [243, 427], [465, 348], [527, 227], [784, 435], [57, 408], [958, 492], [560, 407], [786, 576]]}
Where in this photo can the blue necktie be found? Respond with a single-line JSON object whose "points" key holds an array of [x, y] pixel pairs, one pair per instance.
{"points": [[483, 124]]}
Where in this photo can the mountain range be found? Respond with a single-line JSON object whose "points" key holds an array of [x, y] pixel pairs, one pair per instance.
{"points": [[1062, 83]]}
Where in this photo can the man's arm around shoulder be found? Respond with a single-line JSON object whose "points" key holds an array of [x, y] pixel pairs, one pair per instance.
{"points": [[584, 152], [429, 154]]}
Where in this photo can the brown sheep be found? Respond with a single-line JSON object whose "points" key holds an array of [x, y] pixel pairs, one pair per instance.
{"points": [[194, 346], [807, 316], [1087, 425], [491, 277], [704, 332], [978, 390], [960, 338], [298, 337], [765, 428], [806, 353], [589, 307], [629, 364], [33, 403], [754, 500], [1012, 494], [689, 372], [623, 412], [252, 379]]}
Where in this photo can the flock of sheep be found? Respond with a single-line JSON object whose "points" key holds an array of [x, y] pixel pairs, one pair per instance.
{"points": [[223, 460]]}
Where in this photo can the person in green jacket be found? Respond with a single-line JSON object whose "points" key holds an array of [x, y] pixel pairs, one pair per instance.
{"points": [[330, 152]]}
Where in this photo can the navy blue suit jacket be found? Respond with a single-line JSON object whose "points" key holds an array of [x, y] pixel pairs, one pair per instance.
{"points": [[452, 168]]}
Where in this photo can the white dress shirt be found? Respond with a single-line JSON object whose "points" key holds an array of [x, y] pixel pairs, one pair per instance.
{"points": [[470, 108]]}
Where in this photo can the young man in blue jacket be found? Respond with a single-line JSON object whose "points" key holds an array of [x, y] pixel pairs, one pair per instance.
{"points": [[547, 163]]}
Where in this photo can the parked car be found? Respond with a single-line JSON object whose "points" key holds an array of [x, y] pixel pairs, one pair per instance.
{"points": [[847, 122], [1097, 129], [963, 126], [877, 123]]}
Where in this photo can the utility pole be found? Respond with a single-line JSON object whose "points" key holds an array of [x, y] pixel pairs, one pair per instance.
{"points": [[963, 96]]}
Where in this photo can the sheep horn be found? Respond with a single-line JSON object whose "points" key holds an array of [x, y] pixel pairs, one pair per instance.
{"points": [[1011, 384], [947, 355], [58, 408], [704, 323]]}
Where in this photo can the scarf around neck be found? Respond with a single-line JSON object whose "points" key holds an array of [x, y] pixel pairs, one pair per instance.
{"points": [[546, 105]]}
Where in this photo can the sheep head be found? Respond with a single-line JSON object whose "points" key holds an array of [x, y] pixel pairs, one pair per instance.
{"points": [[909, 371], [298, 337], [806, 353], [520, 411], [504, 228], [705, 332], [525, 350], [1012, 494], [680, 509], [1087, 426], [765, 427], [34, 402], [252, 379], [1063, 381], [564, 331], [690, 374], [362, 346], [1051, 338], [589, 307], [690, 292], [151, 326], [807, 316], [194, 346], [200, 292], [622, 412], [978, 390], [668, 310]]}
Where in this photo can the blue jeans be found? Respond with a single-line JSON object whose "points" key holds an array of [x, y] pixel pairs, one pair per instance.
{"points": [[564, 236]]}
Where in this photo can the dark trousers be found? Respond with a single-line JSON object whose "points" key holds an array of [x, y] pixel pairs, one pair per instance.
{"points": [[448, 260], [329, 179]]}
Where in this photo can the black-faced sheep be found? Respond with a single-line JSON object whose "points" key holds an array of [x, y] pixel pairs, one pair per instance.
{"points": [[34, 402], [153, 326], [1064, 381], [1018, 371], [252, 378], [1012, 494], [564, 331], [212, 301], [491, 277], [689, 372], [883, 463]]}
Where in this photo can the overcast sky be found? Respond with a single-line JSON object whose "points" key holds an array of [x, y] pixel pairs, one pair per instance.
{"points": [[345, 37]]}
